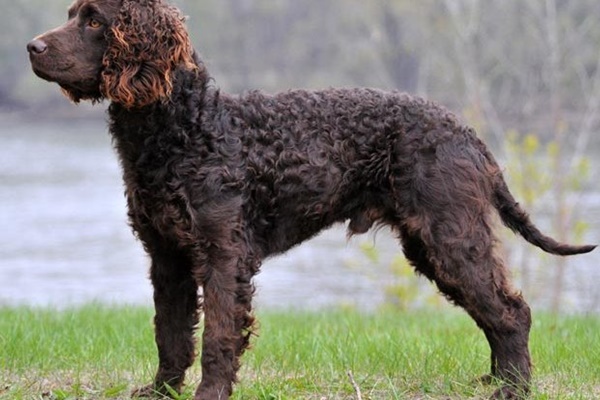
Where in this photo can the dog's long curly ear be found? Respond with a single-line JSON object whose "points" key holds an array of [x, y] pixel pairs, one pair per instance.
{"points": [[146, 43]]}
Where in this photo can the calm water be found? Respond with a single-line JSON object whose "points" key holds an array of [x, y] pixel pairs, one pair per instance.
{"points": [[64, 239]]}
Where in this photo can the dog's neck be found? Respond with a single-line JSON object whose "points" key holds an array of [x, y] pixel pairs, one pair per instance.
{"points": [[181, 109], [162, 124]]}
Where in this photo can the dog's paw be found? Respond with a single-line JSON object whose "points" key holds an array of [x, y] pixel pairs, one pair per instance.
{"points": [[509, 393], [215, 392]]}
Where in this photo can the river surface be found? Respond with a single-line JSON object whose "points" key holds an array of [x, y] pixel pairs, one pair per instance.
{"points": [[64, 238]]}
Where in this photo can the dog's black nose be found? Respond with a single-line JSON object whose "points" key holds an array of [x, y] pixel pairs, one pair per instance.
{"points": [[36, 46]]}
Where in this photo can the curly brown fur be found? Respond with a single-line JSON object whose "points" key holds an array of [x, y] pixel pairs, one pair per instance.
{"points": [[216, 183]]}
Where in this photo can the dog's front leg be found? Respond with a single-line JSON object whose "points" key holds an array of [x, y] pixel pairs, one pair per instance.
{"points": [[176, 306], [227, 291]]}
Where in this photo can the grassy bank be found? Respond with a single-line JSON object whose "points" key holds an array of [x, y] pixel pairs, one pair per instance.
{"points": [[101, 353]]}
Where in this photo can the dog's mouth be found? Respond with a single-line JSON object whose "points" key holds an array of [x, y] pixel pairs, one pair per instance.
{"points": [[51, 77], [52, 73], [65, 75]]}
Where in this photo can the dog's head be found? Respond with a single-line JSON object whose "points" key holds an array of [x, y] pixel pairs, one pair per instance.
{"points": [[121, 50]]}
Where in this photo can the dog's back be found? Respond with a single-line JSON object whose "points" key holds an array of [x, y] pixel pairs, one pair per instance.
{"points": [[313, 158]]}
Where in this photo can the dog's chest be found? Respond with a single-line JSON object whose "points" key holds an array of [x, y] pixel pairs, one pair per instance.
{"points": [[156, 181], [161, 207]]}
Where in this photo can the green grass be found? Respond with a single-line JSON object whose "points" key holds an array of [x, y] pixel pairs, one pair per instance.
{"points": [[98, 352]]}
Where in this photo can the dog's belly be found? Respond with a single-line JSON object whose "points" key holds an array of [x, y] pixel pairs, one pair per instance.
{"points": [[282, 224]]}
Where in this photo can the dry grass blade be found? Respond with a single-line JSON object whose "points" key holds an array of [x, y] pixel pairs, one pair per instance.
{"points": [[355, 386]]}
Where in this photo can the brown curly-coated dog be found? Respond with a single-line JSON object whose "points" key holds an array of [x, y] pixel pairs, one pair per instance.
{"points": [[216, 183]]}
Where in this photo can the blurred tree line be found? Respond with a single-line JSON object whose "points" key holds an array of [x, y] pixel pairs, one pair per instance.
{"points": [[527, 67], [525, 64]]}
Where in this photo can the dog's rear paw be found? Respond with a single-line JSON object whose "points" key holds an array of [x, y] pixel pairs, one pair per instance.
{"points": [[509, 393]]}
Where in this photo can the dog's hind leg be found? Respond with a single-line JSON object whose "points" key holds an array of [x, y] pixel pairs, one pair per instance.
{"points": [[468, 273], [176, 307], [447, 235]]}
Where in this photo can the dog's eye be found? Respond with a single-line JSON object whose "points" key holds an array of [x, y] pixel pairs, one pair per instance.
{"points": [[94, 23]]}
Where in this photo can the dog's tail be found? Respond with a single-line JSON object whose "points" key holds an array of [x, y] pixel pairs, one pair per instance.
{"points": [[514, 217]]}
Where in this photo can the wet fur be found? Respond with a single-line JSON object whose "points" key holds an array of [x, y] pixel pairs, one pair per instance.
{"points": [[216, 183]]}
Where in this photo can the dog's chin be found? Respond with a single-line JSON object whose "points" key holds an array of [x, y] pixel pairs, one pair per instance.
{"points": [[77, 92]]}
